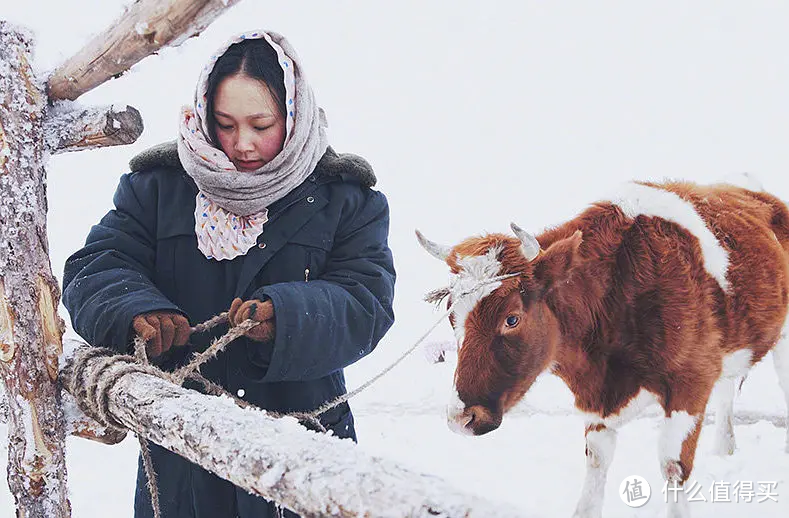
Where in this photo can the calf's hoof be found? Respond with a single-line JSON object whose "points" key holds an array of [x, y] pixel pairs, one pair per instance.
{"points": [[672, 471]]}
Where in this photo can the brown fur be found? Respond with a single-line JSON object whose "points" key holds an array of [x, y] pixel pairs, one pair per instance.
{"points": [[617, 305]]}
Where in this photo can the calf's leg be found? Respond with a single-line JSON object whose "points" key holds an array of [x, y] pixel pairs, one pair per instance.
{"points": [[735, 367], [725, 444], [600, 447], [679, 437], [781, 361]]}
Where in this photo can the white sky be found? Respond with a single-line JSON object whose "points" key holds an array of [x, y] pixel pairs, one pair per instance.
{"points": [[473, 113]]}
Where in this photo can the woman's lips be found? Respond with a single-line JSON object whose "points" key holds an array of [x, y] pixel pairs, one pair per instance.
{"points": [[249, 165]]}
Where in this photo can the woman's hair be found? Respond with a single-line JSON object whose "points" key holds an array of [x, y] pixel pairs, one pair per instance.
{"points": [[254, 58]]}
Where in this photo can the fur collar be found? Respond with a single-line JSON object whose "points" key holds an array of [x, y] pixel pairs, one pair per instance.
{"points": [[344, 165]]}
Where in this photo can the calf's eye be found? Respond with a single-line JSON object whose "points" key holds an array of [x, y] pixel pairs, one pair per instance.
{"points": [[512, 320]]}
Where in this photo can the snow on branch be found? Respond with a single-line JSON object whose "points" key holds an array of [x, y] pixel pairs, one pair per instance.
{"points": [[70, 128], [143, 29], [311, 473]]}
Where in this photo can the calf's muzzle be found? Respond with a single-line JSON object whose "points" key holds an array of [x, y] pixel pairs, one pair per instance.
{"points": [[473, 420]]}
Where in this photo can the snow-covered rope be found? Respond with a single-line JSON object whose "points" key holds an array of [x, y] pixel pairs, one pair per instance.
{"points": [[92, 396]]}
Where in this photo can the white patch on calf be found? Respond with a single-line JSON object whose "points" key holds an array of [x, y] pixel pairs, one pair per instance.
{"points": [[467, 290], [641, 200], [676, 428], [455, 419], [736, 364], [473, 271], [455, 406], [643, 400]]}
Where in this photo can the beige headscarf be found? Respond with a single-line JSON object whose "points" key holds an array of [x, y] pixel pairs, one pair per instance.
{"points": [[231, 205]]}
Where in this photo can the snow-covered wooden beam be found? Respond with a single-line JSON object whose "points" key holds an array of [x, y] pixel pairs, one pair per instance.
{"points": [[70, 128], [310, 473], [77, 423], [30, 329], [145, 27]]}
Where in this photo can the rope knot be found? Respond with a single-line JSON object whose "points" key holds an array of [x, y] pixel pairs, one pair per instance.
{"points": [[91, 390]]}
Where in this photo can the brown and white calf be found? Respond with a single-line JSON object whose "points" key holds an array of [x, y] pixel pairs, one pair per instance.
{"points": [[652, 297]]}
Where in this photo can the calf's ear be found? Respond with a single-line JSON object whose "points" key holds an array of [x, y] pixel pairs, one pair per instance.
{"points": [[555, 264]]}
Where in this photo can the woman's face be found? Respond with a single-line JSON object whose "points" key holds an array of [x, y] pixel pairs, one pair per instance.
{"points": [[249, 126]]}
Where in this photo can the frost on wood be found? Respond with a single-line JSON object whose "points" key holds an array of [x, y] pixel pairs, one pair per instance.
{"points": [[30, 330], [310, 473], [144, 28], [68, 127], [76, 422]]}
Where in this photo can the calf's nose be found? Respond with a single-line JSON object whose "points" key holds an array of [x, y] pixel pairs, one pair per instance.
{"points": [[459, 420], [474, 420]]}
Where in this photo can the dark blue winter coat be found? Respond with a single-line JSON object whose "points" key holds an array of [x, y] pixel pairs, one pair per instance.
{"points": [[323, 260]]}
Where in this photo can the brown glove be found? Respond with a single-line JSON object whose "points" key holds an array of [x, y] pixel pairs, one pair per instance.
{"points": [[161, 330], [254, 309]]}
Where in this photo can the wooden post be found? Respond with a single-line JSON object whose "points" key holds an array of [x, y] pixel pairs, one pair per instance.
{"points": [[30, 130], [30, 329], [311, 473]]}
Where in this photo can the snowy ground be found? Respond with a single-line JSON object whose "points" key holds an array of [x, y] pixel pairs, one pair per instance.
{"points": [[475, 114], [535, 461]]}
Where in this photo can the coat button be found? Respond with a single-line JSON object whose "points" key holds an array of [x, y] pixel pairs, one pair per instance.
{"points": [[240, 392], [262, 245], [310, 199]]}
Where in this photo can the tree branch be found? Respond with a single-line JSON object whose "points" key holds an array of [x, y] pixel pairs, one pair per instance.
{"points": [[77, 129], [143, 29]]}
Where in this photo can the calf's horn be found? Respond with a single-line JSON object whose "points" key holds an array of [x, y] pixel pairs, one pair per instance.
{"points": [[529, 245], [436, 250]]}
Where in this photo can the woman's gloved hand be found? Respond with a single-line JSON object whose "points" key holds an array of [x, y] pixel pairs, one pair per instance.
{"points": [[260, 311], [161, 330]]}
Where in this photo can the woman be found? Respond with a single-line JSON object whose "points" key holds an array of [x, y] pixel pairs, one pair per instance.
{"points": [[249, 211]]}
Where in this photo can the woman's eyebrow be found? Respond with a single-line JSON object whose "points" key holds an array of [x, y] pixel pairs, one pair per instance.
{"points": [[262, 115]]}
